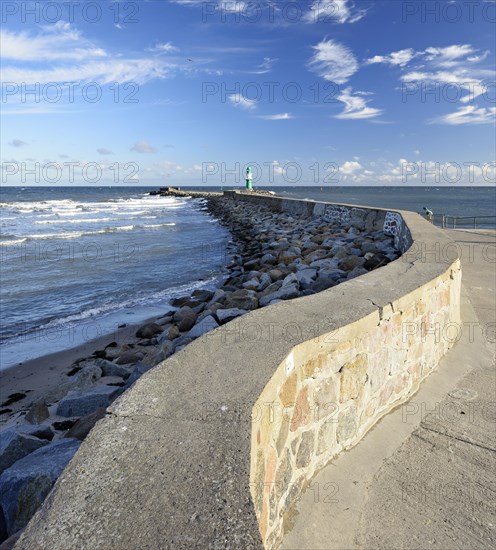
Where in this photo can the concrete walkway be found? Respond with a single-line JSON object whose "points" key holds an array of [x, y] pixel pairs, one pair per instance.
{"points": [[425, 475]]}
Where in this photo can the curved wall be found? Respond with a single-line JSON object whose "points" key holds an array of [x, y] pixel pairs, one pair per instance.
{"points": [[212, 447]]}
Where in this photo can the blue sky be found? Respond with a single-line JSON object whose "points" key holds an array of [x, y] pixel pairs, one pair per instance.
{"points": [[329, 92]]}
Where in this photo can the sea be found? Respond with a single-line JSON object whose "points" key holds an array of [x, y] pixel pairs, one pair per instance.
{"points": [[77, 263]]}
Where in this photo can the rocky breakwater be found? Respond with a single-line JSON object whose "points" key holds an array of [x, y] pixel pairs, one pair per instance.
{"points": [[278, 257]]}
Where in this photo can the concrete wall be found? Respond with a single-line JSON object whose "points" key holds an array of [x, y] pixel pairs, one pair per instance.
{"points": [[330, 390], [212, 447]]}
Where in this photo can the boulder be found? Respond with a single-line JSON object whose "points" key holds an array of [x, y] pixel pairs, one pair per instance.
{"points": [[205, 325], [149, 330], [322, 284], [357, 272], [202, 295], [306, 277], [113, 369], [268, 259], [219, 296], [284, 293], [85, 424], [275, 274], [138, 371], [251, 284], [187, 321], [129, 357], [351, 262], [15, 445], [265, 281], [37, 413], [78, 403], [85, 378], [375, 261], [24, 486], [173, 332], [290, 279], [41, 432], [242, 299], [226, 315]]}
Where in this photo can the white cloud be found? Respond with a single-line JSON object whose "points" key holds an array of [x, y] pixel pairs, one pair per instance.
{"points": [[338, 11], [399, 58], [469, 114], [60, 54], [281, 116], [349, 167], [450, 55], [104, 151], [356, 106], [143, 147], [57, 43], [266, 66], [333, 61], [165, 47], [238, 100]]}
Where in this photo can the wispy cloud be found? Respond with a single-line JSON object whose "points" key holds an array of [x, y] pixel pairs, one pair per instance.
{"points": [[337, 11], [356, 106], [266, 66], [143, 147], [470, 115], [164, 47], [59, 53], [400, 58], [280, 116], [104, 151], [238, 100], [333, 61]]}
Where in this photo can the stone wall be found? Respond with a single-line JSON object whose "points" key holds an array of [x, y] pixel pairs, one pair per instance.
{"points": [[212, 447], [330, 390]]}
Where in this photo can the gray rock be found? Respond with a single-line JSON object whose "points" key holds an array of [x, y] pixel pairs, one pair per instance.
{"points": [[226, 315], [85, 424], [37, 413], [149, 330], [85, 378], [79, 403], [129, 357], [138, 371], [113, 369], [265, 281], [284, 293], [357, 272], [306, 277], [268, 259], [41, 432], [219, 296], [187, 322], [243, 299], [204, 326], [15, 445], [202, 295], [24, 486], [369, 247], [252, 284], [351, 262], [290, 280]]}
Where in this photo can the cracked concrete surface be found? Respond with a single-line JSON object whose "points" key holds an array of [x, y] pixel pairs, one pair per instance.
{"points": [[425, 476]]}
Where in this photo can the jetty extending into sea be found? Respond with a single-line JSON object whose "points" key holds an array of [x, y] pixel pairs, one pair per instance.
{"points": [[315, 420]]}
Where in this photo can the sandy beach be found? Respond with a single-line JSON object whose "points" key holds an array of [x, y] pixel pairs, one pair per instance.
{"points": [[36, 377]]}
